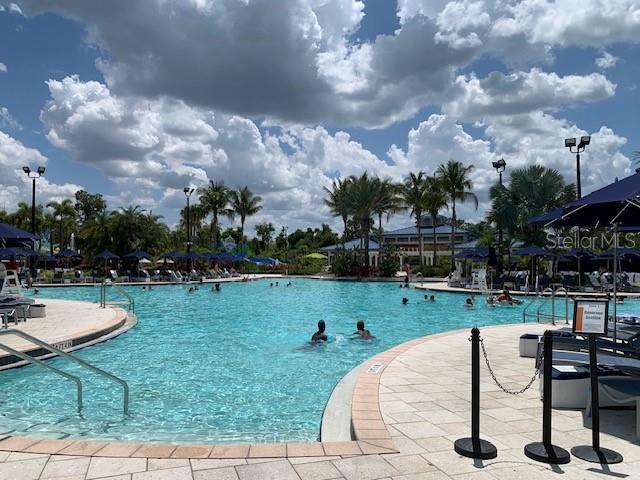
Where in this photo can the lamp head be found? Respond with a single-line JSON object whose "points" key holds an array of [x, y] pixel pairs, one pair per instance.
{"points": [[186, 190], [570, 142], [584, 141], [499, 165], [41, 170], [26, 170]]}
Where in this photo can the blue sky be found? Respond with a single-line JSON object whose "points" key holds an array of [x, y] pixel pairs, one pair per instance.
{"points": [[138, 110]]}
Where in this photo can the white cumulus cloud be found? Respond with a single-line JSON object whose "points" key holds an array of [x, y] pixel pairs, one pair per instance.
{"points": [[606, 61]]}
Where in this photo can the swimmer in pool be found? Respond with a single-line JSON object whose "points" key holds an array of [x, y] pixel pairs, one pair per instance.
{"points": [[320, 336], [468, 302], [362, 332], [405, 300], [191, 290], [432, 298]]}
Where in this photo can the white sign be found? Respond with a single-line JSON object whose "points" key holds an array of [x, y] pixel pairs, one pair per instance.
{"points": [[375, 368], [590, 316]]}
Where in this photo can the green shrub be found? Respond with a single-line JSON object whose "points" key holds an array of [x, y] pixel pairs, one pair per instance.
{"points": [[345, 263], [389, 260]]}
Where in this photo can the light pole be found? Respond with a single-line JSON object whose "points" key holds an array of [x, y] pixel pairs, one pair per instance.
{"points": [[500, 167], [33, 176], [59, 220], [570, 143], [187, 193]]}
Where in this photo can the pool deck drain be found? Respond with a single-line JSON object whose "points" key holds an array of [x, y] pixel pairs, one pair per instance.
{"points": [[419, 394]]}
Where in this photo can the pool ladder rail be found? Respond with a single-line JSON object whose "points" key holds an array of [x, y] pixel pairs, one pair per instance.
{"points": [[547, 294], [129, 300], [68, 356]]}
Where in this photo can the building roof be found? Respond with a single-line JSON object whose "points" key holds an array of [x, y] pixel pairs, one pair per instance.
{"points": [[351, 245], [413, 230]]}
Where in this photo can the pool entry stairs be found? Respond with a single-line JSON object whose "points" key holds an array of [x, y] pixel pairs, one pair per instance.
{"points": [[57, 371]]}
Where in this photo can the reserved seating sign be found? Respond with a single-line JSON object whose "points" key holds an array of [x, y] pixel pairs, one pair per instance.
{"points": [[590, 316]]}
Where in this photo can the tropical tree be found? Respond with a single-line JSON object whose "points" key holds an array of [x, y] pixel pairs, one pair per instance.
{"points": [[435, 200], [389, 202], [21, 218], [337, 201], [65, 213], [456, 184], [414, 192], [88, 205], [265, 231], [531, 191], [245, 204], [363, 199], [215, 198], [97, 233]]}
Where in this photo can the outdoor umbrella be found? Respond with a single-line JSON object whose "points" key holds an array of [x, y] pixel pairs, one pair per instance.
{"points": [[316, 256], [107, 255], [173, 255], [66, 253], [532, 251], [9, 232], [616, 205], [137, 254]]}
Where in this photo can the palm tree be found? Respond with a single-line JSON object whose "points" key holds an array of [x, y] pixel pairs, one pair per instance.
{"points": [[245, 204], [456, 184], [531, 191], [337, 201], [97, 232], [65, 213], [363, 200], [214, 199], [388, 204], [435, 200], [414, 192]]}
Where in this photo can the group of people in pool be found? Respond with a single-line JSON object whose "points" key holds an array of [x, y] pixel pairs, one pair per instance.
{"points": [[360, 333], [504, 298], [289, 284]]}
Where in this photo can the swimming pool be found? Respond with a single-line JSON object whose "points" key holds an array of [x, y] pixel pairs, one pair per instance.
{"points": [[229, 367]]}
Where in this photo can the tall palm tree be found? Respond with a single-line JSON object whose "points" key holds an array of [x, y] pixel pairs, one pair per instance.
{"points": [[435, 200], [389, 202], [66, 213], [414, 192], [363, 199], [337, 201], [531, 191], [214, 199], [455, 181], [97, 232], [245, 204]]}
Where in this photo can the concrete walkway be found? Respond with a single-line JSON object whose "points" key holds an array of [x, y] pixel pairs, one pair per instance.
{"points": [[424, 400]]}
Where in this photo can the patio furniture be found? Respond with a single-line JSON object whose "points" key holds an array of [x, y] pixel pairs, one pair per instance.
{"points": [[621, 391]]}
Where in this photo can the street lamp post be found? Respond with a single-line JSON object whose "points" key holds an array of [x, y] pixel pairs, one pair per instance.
{"points": [[500, 167], [33, 176], [187, 193], [570, 143], [59, 220]]}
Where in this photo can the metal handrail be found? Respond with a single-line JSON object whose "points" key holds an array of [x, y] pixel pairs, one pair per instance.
{"points": [[73, 358], [524, 311], [545, 291], [103, 295], [39, 363]]}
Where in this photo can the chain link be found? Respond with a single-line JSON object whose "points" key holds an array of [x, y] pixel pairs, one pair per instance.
{"points": [[495, 379]]}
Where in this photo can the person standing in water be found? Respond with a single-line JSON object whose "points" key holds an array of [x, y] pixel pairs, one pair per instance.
{"points": [[320, 336]]}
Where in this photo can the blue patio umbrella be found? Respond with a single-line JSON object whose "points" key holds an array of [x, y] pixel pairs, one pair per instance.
{"points": [[579, 253], [622, 252], [173, 255], [11, 233], [107, 255], [192, 256], [532, 250], [547, 217], [139, 254], [8, 253]]}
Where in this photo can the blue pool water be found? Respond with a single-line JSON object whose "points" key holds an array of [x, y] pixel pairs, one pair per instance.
{"points": [[234, 366]]}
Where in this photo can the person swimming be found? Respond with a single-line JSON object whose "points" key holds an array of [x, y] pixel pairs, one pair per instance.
{"points": [[271, 284], [405, 300], [432, 298], [505, 296], [191, 290], [320, 336], [276, 284], [468, 302], [491, 301], [362, 332], [289, 284]]}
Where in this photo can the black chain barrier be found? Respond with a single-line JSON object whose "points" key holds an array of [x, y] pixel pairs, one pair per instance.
{"points": [[495, 379]]}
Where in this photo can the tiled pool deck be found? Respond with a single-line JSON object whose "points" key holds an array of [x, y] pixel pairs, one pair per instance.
{"points": [[412, 400]]}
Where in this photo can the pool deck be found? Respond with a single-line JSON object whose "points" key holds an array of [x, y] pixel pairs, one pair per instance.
{"points": [[409, 404], [69, 325], [443, 287]]}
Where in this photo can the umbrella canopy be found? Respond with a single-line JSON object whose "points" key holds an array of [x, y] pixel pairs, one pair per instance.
{"points": [[66, 253], [579, 253], [532, 250], [137, 254], [548, 216], [144, 261], [316, 256], [173, 255], [107, 255], [9, 232], [8, 253], [479, 253], [191, 256], [622, 252]]}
